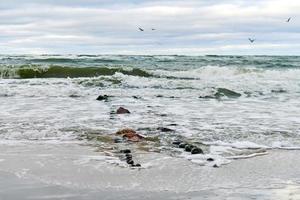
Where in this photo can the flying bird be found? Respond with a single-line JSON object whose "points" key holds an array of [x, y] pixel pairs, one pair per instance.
{"points": [[288, 20], [251, 40], [141, 29]]}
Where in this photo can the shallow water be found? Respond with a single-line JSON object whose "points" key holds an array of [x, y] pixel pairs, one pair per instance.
{"points": [[229, 102]]}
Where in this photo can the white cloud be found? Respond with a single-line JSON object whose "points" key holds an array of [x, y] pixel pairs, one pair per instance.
{"points": [[189, 27]]}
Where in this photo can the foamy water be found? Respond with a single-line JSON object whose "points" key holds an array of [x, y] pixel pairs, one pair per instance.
{"points": [[185, 94]]}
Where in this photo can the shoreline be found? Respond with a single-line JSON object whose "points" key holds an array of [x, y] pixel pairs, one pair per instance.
{"points": [[72, 171]]}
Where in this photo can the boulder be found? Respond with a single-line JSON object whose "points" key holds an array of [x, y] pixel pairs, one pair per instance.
{"points": [[122, 110], [130, 135]]}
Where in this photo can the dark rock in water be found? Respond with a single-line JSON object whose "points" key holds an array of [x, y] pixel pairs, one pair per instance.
{"points": [[128, 155], [137, 165], [188, 148], [210, 159], [74, 96], [102, 97], [159, 95], [182, 145], [221, 92], [279, 91], [173, 124], [215, 166], [196, 150], [118, 140], [125, 151], [122, 110], [163, 115], [163, 129], [136, 97], [130, 162], [176, 142]]}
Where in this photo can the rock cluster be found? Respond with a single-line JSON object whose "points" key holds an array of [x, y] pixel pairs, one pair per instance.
{"points": [[128, 158], [188, 147]]}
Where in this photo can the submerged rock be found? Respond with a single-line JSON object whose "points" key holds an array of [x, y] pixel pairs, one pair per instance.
{"points": [[221, 92], [130, 162], [103, 98], [137, 165], [196, 150], [128, 156], [176, 142], [130, 135], [125, 151], [210, 159], [122, 110], [136, 97], [118, 140], [164, 129], [182, 145], [188, 148]]}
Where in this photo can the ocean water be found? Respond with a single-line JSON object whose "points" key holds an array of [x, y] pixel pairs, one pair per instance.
{"points": [[237, 102]]}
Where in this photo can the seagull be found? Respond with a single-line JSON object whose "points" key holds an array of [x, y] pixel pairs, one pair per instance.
{"points": [[288, 20], [251, 40], [141, 29]]}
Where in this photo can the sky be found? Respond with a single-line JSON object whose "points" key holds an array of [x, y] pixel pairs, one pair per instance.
{"points": [[188, 27]]}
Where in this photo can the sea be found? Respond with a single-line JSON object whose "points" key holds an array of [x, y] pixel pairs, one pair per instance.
{"points": [[224, 102]]}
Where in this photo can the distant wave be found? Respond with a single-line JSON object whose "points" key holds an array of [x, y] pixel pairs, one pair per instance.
{"points": [[24, 72]]}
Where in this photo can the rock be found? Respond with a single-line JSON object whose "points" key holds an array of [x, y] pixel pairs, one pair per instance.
{"points": [[215, 166], [128, 156], [118, 140], [173, 124], [182, 145], [163, 129], [176, 142], [159, 96], [137, 165], [125, 151], [196, 150], [188, 148], [136, 97], [122, 110], [102, 98], [130, 135], [130, 162], [210, 159]]}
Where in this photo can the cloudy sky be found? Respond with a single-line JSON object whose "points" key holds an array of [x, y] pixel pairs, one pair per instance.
{"points": [[182, 27]]}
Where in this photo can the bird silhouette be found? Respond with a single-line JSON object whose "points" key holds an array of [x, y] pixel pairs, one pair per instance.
{"points": [[288, 20], [251, 40], [141, 29]]}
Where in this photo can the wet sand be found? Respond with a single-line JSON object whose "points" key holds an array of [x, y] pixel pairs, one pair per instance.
{"points": [[73, 171]]}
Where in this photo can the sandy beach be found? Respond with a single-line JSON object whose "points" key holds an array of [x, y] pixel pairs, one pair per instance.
{"points": [[76, 171]]}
